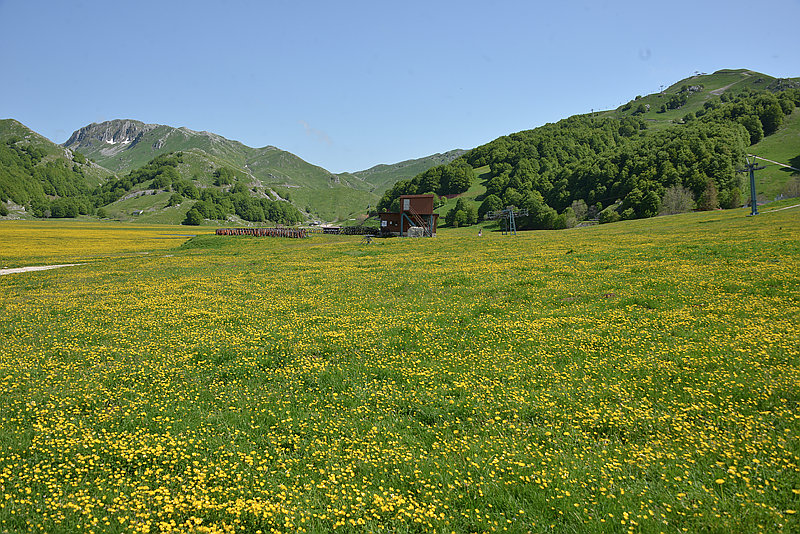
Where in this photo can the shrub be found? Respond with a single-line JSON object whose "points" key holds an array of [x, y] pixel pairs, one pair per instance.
{"points": [[609, 215], [730, 199], [709, 200], [175, 199], [792, 188], [676, 199], [193, 218], [580, 209]]}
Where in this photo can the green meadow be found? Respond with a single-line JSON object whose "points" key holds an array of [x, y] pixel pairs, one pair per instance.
{"points": [[641, 376]]}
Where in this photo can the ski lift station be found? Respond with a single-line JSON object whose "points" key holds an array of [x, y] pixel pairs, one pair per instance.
{"points": [[416, 218]]}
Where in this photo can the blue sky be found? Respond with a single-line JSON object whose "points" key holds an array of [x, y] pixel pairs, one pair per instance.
{"points": [[350, 84]]}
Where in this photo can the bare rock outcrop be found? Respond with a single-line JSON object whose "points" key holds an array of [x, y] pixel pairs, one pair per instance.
{"points": [[110, 136]]}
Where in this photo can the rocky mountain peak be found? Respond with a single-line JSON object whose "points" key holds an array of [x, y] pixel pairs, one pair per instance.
{"points": [[108, 134]]}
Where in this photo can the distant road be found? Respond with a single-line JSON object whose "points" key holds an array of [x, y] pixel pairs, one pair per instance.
{"points": [[775, 162], [36, 268]]}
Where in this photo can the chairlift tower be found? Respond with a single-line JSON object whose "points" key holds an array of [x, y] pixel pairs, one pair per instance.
{"points": [[751, 168], [508, 216]]}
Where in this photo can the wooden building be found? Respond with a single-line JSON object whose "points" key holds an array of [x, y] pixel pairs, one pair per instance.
{"points": [[416, 211]]}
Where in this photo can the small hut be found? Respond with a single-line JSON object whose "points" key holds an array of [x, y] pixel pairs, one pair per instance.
{"points": [[416, 211]]}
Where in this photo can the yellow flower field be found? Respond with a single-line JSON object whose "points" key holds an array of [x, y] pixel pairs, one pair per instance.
{"points": [[39, 242], [636, 377]]}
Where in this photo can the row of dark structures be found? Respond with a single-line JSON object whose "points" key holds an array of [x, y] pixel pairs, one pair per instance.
{"points": [[415, 219], [296, 233]]}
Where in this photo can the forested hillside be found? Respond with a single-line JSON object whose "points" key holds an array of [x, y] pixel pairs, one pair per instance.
{"points": [[47, 184], [449, 179], [161, 175], [55, 187], [599, 163], [617, 168]]}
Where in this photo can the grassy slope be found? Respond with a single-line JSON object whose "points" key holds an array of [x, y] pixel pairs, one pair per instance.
{"points": [[784, 147], [13, 128], [332, 203], [474, 195], [196, 164], [727, 80], [382, 177], [564, 382], [154, 207]]}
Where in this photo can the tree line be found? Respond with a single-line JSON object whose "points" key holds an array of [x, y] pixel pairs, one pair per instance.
{"points": [[217, 205]]}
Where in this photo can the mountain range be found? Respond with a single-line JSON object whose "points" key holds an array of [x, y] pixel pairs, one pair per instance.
{"points": [[117, 147], [123, 145], [111, 150]]}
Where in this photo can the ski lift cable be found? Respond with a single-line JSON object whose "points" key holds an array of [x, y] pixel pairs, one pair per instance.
{"points": [[774, 162]]}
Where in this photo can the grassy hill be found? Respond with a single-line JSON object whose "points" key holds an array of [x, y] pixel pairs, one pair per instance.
{"points": [[694, 134], [382, 177], [11, 128], [782, 146], [698, 90]]}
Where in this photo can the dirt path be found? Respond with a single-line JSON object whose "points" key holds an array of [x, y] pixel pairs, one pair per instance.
{"points": [[36, 268], [721, 90], [784, 208]]}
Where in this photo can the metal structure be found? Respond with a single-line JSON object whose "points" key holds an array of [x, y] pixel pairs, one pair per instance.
{"points": [[507, 216], [751, 168]]}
